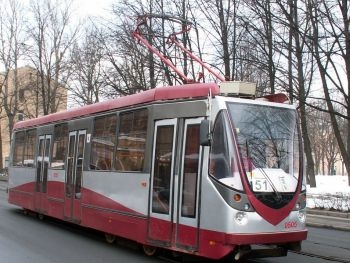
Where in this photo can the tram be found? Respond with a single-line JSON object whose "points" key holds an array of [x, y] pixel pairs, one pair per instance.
{"points": [[198, 168]]}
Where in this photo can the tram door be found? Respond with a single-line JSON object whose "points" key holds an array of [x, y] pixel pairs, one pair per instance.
{"points": [[42, 165], [187, 224], [73, 181], [174, 184]]}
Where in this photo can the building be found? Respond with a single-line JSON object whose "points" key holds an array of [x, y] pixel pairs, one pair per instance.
{"points": [[25, 101]]}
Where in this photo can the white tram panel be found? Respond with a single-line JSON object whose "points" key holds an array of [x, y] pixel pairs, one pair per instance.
{"points": [[127, 189], [56, 175], [17, 179]]}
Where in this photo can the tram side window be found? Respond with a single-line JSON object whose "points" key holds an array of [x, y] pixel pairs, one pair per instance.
{"points": [[29, 150], [190, 175], [103, 142], [219, 155], [60, 146], [19, 148], [24, 148], [223, 162], [132, 141]]}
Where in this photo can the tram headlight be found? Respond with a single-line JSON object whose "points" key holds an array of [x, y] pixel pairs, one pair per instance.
{"points": [[302, 216], [241, 218], [246, 207]]}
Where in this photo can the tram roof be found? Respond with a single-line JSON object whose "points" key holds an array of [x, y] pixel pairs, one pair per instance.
{"points": [[196, 90]]}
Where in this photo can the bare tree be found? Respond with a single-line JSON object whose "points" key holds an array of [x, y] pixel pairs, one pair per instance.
{"points": [[261, 25], [240, 34], [326, 155], [298, 26], [133, 66], [52, 35], [219, 15], [129, 68], [330, 40], [11, 51], [179, 26], [87, 76]]}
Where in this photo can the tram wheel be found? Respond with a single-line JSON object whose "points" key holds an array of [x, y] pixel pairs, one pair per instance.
{"points": [[149, 250], [110, 238]]}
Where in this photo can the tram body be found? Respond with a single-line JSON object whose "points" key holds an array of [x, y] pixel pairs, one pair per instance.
{"points": [[181, 168]]}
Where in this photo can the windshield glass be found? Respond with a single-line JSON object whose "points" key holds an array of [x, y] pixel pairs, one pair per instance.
{"points": [[269, 146]]}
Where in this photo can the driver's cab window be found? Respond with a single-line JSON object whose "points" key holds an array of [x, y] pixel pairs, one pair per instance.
{"points": [[223, 161]]}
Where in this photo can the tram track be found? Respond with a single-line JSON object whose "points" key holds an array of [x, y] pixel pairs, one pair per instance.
{"points": [[330, 258]]}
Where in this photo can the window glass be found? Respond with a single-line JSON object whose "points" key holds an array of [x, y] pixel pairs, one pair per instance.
{"points": [[42, 162], [60, 146], [223, 162], [24, 149], [269, 145], [190, 175], [103, 142], [162, 169], [40, 171], [132, 141], [70, 166], [80, 164], [19, 148], [29, 151]]}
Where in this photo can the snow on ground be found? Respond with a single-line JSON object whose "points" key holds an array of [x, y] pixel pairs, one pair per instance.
{"points": [[331, 193]]}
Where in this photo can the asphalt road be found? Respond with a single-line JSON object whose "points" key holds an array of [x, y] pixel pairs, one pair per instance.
{"points": [[27, 239]]}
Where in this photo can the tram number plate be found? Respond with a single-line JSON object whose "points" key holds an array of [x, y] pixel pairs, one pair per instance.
{"points": [[261, 185]]}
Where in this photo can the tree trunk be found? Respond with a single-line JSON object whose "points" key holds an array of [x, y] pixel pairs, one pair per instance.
{"points": [[310, 172], [346, 18], [150, 54], [310, 166], [269, 38], [224, 39]]}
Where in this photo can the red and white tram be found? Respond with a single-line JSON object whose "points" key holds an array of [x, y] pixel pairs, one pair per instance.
{"points": [[186, 168]]}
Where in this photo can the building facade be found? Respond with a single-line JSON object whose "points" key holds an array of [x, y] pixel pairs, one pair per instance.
{"points": [[24, 95]]}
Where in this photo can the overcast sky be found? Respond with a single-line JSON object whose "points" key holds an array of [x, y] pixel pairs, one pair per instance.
{"points": [[93, 7]]}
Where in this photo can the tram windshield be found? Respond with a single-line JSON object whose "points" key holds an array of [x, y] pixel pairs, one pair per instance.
{"points": [[269, 146]]}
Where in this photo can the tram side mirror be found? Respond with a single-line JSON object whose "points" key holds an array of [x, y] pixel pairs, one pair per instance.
{"points": [[204, 133]]}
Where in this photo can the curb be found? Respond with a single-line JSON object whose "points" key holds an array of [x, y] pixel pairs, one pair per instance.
{"points": [[334, 227], [3, 183], [4, 178], [328, 219], [338, 214]]}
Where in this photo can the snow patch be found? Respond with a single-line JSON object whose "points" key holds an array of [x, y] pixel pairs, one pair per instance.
{"points": [[330, 193]]}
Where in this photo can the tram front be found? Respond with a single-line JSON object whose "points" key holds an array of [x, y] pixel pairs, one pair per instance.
{"points": [[256, 161]]}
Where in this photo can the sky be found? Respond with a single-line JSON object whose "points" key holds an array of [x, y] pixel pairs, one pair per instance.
{"points": [[93, 7]]}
